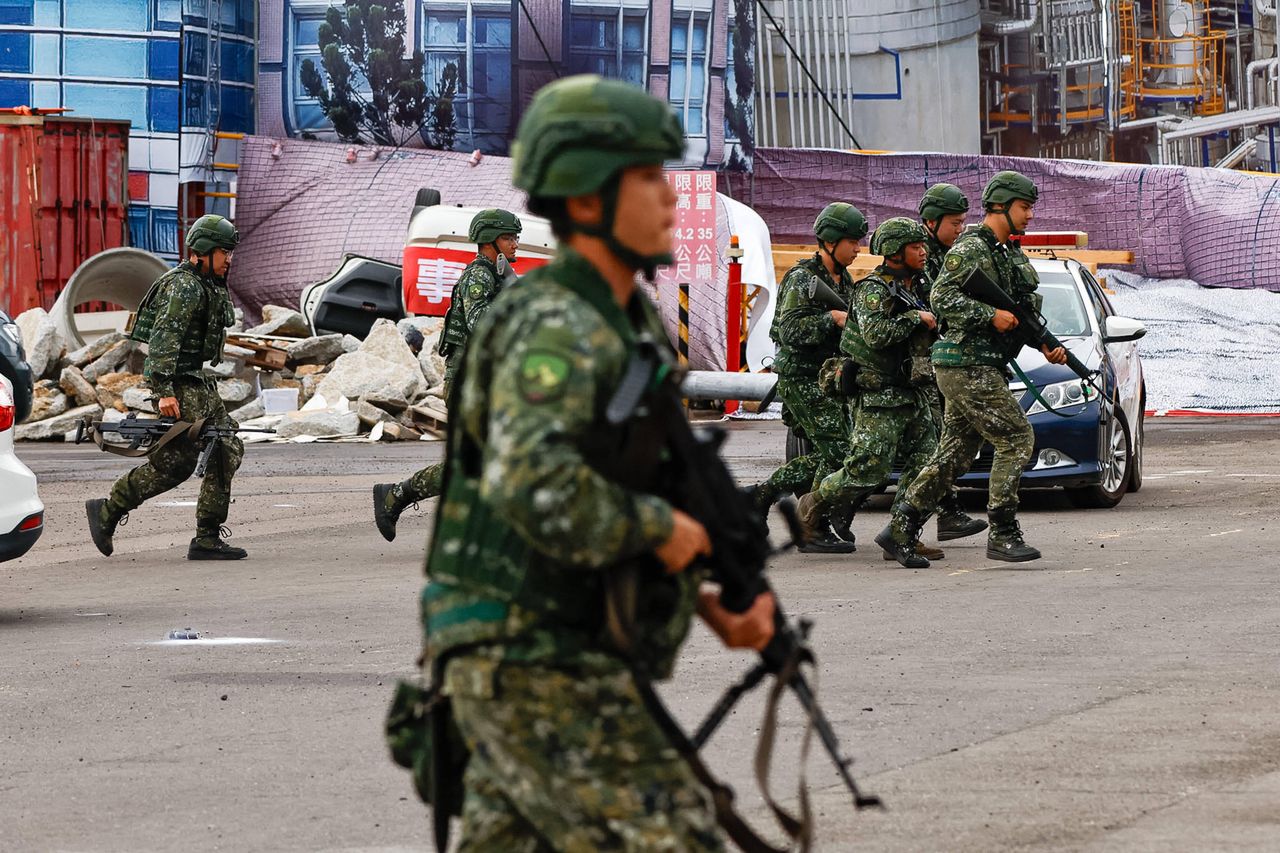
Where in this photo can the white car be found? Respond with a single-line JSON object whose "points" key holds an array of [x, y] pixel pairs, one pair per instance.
{"points": [[21, 512]]}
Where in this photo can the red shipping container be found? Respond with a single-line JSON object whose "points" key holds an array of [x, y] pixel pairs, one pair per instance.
{"points": [[65, 199]]}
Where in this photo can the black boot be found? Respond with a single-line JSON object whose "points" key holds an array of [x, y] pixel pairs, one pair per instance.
{"points": [[899, 537], [762, 498], [1004, 542], [102, 524], [817, 530], [208, 544], [387, 508], [842, 525], [954, 522]]}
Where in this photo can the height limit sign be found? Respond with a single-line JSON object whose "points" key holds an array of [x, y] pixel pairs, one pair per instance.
{"points": [[695, 229]]}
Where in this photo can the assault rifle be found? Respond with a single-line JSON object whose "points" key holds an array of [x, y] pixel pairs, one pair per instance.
{"points": [[146, 435], [821, 292], [1032, 329], [740, 551]]}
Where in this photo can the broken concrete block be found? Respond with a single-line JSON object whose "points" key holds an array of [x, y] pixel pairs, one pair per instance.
{"points": [[278, 320], [318, 350], [74, 385], [393, 431], [94, 351], [47, 401], [138, 398], [110, 361], [232, 351], [309, 370], [57, 426], [111, 388], [250, 410], [361, 374], [221, 370], [427, 325], [350, 343], [321, 424], [371, 414], [432, 367], [235, 391], [41, 340], [385, 342]]}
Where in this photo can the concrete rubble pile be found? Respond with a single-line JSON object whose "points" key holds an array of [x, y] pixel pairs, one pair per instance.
{"points": [[343, 388]]}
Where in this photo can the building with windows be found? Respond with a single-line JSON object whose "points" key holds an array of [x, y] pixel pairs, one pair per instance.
{"points": [[504, 51], [178, 70]]}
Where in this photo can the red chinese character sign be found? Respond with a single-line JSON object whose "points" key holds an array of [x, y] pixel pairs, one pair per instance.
{"points": [[695, 229], [430, 272]]}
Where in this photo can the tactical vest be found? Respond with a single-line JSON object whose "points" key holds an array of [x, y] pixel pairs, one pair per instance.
{"points": [[216, 313], [489, 585], [806, 361], [453, 337], [884, 367]]}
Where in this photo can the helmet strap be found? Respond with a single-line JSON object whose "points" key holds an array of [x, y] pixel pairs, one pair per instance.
{"points": [[647, 264], [838, 267]]}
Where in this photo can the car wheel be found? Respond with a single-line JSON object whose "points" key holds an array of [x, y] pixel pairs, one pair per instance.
{"points": [[1115, 453], [796, 445], [1139, 441]]}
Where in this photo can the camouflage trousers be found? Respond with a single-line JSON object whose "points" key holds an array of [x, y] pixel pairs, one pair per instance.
{"points": [[950, 502], [424, 484], [172, 464], [880, 434], [979, 406], [824, 421], [570, 761]]}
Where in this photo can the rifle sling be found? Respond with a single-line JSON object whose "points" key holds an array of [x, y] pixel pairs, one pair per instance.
{"points": [[178, 429], [1035, 392]]}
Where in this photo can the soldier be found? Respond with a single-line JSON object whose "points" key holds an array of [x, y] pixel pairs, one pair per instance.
{"points": [[184, 319], [807, 333], [942, 210], [530, 532], [893, 418], [496, 234], [970, 360]]}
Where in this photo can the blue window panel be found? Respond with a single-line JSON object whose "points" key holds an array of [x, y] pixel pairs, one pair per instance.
{"points": [[109, 15], [48, 13], [103, 56], [15, 53], [168, 15], [162, 59], [162, 109], [308, 116], [237, 62], [248, 22], [237, 110], [140, 226], [46, 95], [103, 100], [195, 48], [164, 231], [195, 11], [16, 11], [194, 112], [46, 54], [14, 93]]}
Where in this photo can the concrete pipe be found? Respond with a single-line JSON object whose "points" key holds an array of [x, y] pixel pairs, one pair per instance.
{"points": [[120, 276], [723, 385]]}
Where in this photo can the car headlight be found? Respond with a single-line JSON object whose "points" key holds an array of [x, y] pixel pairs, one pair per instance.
{"points": [[1062, 395], [10, 330]]}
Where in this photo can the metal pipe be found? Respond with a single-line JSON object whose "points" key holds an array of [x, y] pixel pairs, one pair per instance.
{"points": [[1272, 65], [1264, 8], [1002, 27], [723, 385]]}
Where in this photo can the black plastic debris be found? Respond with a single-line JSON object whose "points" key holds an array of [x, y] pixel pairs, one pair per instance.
{"points": [[183, 634]]}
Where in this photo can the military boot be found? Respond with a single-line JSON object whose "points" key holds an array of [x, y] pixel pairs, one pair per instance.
{"points": [[842, 524], [762, 498], [817, 530], [387, 506], [1004, 541], [954, 522], [208, 544], [102, 524], [929, 553], [899, 538]]}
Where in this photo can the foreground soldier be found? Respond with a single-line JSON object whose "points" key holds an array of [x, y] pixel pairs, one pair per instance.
{"points": [[970, 364], [184, 319], [942, 210], [530, 533], [496, 234], [807, 333], [893, 418]]}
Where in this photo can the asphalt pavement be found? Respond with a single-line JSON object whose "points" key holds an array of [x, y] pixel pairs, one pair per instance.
{"points": [[1119, 694]]}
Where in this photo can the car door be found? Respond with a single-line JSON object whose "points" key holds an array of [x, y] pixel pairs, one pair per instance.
{"points": [[1122, 356]]}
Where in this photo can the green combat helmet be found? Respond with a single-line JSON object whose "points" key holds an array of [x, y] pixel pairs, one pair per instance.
{"points": [[893, 235], [575, 138], [1004, 189], [489, 225], [211, 232], [941, 199], [837, 221]]}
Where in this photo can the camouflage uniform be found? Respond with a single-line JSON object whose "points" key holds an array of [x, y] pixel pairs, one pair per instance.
{"points": [[807, 336], [545, 504], [193, 312]]}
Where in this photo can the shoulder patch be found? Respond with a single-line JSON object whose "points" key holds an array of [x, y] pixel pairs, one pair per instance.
{"points": [[476, 289], [952, 262], [544, 376]]}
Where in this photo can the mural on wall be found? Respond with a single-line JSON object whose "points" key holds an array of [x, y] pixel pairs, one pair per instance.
{"points": [[468, 68]]}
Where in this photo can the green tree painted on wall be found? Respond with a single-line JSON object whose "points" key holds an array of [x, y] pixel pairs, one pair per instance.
{"points": [[370, 91]]}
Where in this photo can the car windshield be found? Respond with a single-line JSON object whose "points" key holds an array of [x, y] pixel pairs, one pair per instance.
{"points": [[1063, 310]]}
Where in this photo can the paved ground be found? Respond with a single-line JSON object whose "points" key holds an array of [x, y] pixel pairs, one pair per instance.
{"points": [[1120, 694]]}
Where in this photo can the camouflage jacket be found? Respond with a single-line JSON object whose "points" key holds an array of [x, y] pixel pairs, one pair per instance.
{"points": [[529, 528], [932, 267], [969, 338], [471, 297], [803, 328], [192, 314], [875, 336]]}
